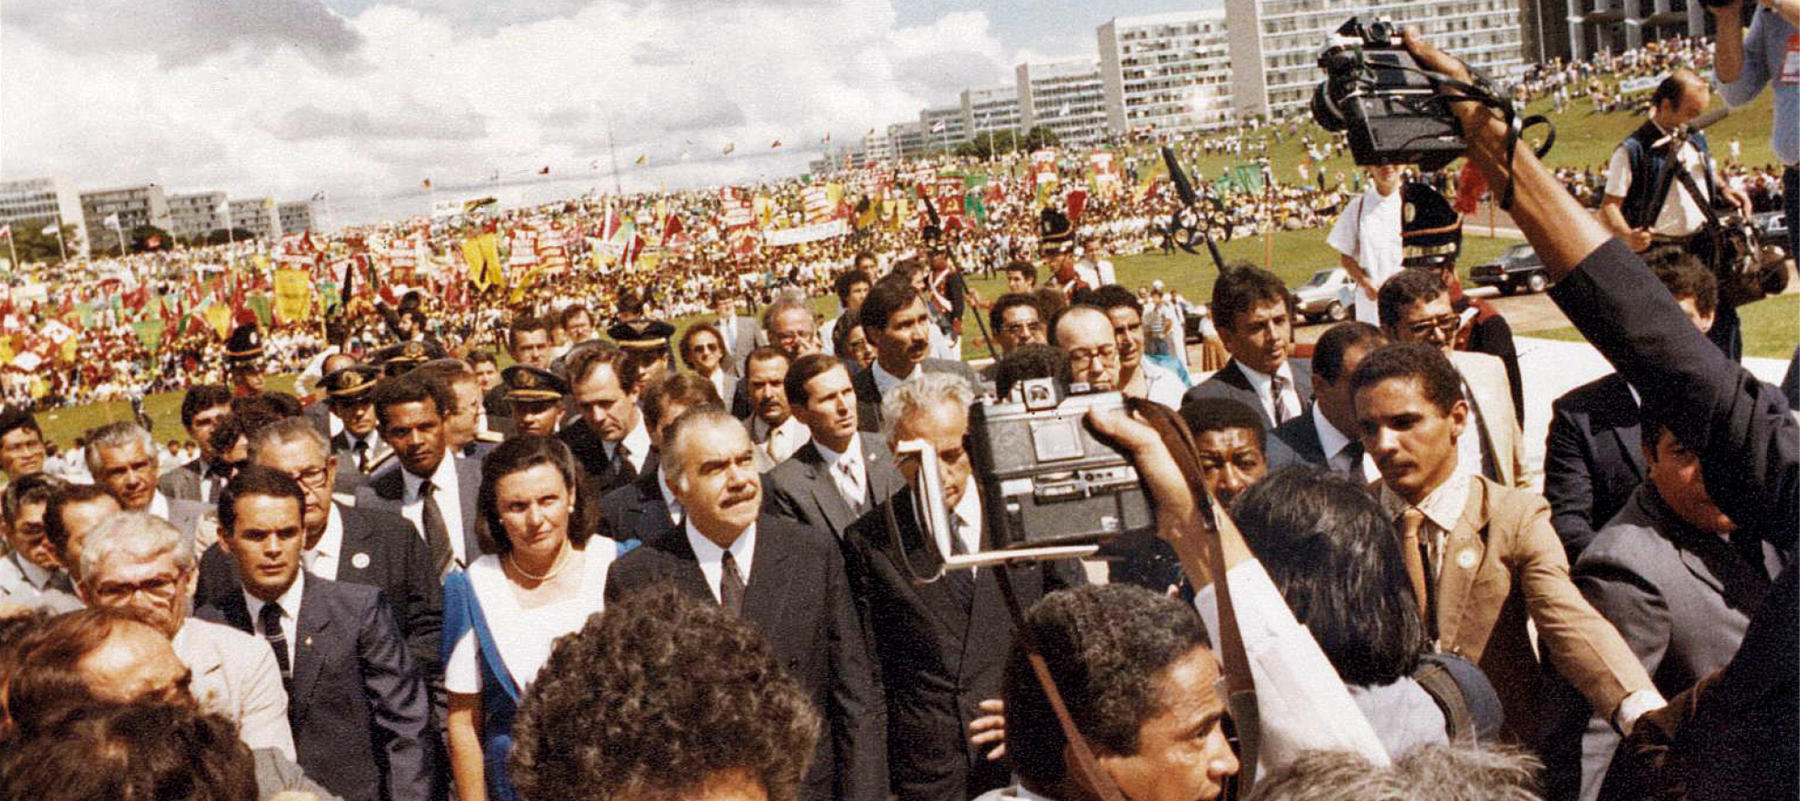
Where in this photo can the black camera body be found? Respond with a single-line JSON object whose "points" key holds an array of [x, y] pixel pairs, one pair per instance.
{"points": [[1045, 480], [1391, 110]]}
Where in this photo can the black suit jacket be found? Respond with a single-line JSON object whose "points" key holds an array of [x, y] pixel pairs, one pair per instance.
{"points": [[635, 510], [802, 488], [1748, 444], [799, 598], [590, 450], [360, 714], [381, 550], [868, 398], [387, 488], [1592, 459], [942, 648], [1231, 382]]}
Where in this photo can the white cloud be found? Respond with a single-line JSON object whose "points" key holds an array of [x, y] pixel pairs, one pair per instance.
{"points": [[229, 95]]}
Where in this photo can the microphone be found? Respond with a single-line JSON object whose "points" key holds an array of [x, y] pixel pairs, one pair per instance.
{"points": [[1699, 123]]}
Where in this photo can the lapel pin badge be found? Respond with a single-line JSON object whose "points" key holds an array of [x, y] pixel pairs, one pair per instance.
{"points": [[309, 641], [1466, 559], [359, 561]]}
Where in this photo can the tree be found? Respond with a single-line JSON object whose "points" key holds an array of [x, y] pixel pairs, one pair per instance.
{"points": [[1040, 137], [35, 246], [218, 236], [984, 147], [146, 237]]}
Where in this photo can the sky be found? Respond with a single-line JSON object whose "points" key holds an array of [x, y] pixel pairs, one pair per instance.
{"points": [[363, 100]]}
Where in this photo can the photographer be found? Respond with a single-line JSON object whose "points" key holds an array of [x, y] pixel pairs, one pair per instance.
{"points": [[1649, 205], [1747, 441]]}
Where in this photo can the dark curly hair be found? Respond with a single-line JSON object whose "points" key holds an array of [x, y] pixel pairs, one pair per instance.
{"points": [[517, 455], [653, 698], [143, 751], [1105, 647]]}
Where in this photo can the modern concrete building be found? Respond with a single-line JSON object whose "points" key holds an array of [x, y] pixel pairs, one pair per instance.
{"points": [[258, 216], [907, 140], [1275, 44], [135, 205], [197, 214], [990, 110], [296, 216], [1167, 73], [1068, 97], [39, 202], [1597, 26], [876, 146], [944, 128]]}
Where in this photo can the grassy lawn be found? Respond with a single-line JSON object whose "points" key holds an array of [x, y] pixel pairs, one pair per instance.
{"points": [[1771, 328]]}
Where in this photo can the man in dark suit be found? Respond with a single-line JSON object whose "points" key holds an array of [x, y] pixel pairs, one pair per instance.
{"points": [[358, 708], [610, 440], [1666, 573], [528, 340], [737, 334], [359, 446], [896, 321], [841, 473], [202, 409], [424, 485], [1593, 461], [1250, 309], [1326, 436], [942, 645], [786, 579], [343, 543], [645, 508]]}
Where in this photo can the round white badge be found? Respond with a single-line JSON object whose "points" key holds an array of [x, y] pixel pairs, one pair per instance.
{"points": [[359, 561], [1466, 559]]}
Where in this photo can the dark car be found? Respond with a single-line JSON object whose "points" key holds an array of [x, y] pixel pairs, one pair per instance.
{"points": [[1771, 230], [1517, 268]]}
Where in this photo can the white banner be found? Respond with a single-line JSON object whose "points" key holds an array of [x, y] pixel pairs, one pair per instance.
{"points": [[806, 233], [1632, 85]]}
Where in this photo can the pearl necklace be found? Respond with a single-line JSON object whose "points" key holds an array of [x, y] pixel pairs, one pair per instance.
{"points": [[562, 560]]}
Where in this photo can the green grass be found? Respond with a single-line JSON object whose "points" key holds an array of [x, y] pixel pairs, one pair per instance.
{"points": [[62, 426], [1771, 328]]}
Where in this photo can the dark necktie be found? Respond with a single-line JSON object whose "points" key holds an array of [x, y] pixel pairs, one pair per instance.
{"points": [[437, 535], [362, 455], [1277, 388], [731, 584], [270, 620], [1354, 452], [619, 466]]}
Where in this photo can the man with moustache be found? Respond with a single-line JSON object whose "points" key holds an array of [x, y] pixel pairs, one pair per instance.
{"points": [[773, 428], [424, 485]]}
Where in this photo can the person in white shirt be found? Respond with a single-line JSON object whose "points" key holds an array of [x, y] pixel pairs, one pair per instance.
{"points": [[1367, 238], [1138, 377]]}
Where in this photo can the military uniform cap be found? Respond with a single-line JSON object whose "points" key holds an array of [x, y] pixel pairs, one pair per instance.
{"points": [[244, 348], [1430, 229], [404, 356], [1055, 233], [527, 383], [641, 334], [355, 381]]}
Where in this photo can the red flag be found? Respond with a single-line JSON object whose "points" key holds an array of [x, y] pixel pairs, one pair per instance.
{"points": [[6, 231], [671, 227], [545, 170], [1470, 186], [1077, 203]]}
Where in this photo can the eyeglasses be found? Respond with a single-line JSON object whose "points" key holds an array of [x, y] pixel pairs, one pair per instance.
{"points": [[160, 589], [703, 347], [313, 477], [1443, 327], [1082, 357]]}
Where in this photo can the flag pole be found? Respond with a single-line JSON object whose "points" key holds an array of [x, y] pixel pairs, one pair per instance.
{"points": [[119, 229], [12, 247]]}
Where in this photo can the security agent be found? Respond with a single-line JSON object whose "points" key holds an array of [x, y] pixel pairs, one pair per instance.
{"points": [[402, 357], [349, 394], [646, 344], [244, 359], [536, 397]]}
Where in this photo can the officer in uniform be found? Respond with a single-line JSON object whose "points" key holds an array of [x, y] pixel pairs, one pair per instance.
{"points": [[536, 396], [646, 343], [1056, 249], [244, 359], [398, 359], [359, 448]]}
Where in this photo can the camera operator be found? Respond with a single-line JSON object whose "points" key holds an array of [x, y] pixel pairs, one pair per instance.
{"points": [[1647, 205], [1747, 441]]}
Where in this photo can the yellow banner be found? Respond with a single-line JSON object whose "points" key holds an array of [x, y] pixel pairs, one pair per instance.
{"points": [[218, 316], [293, 295], [482, 254]]}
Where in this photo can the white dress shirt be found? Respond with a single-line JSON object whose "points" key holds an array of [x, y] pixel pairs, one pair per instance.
{"points": [[965, 518], [676, 513], [1442, 507], [448, 495], [711, 556], [322, 560], [886, 381], [1333, 442], [1680, 214], [774, 446], [159, 506], [1263, 383], [848, 472], [1370, 234], [290, 614], [1162, 385], [637, 446]]}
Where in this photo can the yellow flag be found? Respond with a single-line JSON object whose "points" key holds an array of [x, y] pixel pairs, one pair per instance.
{"points": [[218, 316], [293, 295]]}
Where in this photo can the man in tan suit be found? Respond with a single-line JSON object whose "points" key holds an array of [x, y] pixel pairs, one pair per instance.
{"points": [[1482, 555], [1415, 307]]}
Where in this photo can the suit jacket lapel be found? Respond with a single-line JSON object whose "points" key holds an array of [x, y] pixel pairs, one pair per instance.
{"points": [[1455, 583], [310, 627], [833, 509], [1623, 415], [883, 477], [766, 595], [236, 612], [684, 568], [468, 479]]}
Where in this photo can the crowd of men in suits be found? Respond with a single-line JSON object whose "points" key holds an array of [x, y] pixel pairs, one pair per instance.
{"points": [[289, 581]]}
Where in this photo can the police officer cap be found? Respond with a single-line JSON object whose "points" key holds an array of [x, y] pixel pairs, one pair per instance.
{"points": [[244, 348], [527, 383], [641, 334], [1430, 230], [347, 383]]}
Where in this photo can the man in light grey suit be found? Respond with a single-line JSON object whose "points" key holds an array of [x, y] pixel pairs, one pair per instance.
{"points": [[1250, 308], [896, 320], [122, 459], [203, 408], [1679, 581], [738, 334], [842, 473]]}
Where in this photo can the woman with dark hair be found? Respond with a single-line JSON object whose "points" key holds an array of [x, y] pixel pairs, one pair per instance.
{"points": [[1336, 560], [850, 341], [535, 582]]}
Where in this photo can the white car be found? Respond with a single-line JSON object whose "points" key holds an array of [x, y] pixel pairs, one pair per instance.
{"points": [[1326, 295]]}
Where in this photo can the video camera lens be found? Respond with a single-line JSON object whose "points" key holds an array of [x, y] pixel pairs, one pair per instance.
{"points": [[1325, 112]]}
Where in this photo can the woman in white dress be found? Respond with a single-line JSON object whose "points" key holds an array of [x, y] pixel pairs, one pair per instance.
{"points": [[536, 581]]}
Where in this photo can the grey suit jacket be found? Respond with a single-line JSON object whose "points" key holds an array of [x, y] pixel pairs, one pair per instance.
{"points": [[868, 398], [183, 482], [740, 341], [1231, 382], [386, 489], [803, 489], [1681, 598]]}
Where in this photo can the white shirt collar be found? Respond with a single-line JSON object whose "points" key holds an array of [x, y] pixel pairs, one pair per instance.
{"points": [[673, 504], [1443, 506], [1331, 440], [1261, 381], [159, 505], [885, 381], [38, 577], [289, 601], [968, 510], [330, 547], [444, 478], [853, 454], [711, 556], [636, 442]]}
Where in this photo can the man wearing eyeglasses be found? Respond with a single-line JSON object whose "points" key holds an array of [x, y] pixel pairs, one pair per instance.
{"points": [[139, 561], [1016, 320], [1415, 307], [1085, 336], [371, 547]]}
